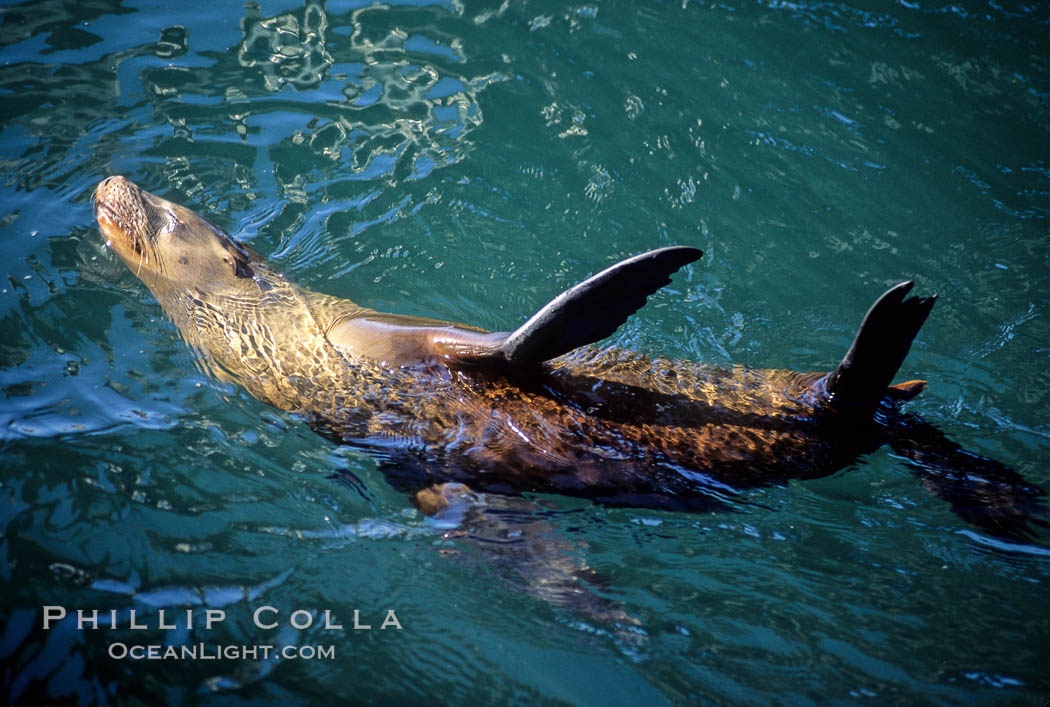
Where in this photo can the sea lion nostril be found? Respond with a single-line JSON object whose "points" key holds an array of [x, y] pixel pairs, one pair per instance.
{"points": [[111, 182]]}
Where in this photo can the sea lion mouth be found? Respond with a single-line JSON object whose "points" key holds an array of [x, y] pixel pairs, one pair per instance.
{"points": [[124, 218]]}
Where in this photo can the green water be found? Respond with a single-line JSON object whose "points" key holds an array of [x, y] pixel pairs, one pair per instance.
{"points": [[467, 161]]}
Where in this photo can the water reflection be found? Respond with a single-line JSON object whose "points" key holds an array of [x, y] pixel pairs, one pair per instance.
{"points": [[289, 50]]}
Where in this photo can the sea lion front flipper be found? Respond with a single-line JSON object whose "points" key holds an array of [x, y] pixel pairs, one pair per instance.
{"points": [[595, 308], [516, 535], [583, 314]]}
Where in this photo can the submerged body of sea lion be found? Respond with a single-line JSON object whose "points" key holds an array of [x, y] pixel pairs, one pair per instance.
{"points": [[461, 410]]}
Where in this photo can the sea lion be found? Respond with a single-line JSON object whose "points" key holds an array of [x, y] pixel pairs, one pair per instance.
{"points": [[538, 409]]}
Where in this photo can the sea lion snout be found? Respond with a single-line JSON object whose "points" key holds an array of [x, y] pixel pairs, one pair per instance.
{"points": [[123, 219], [117, 195]]}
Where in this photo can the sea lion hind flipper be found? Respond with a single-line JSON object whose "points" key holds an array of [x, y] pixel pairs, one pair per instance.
{"points": [[863, 377], [907, 390], [595, 308], [982, 491]]}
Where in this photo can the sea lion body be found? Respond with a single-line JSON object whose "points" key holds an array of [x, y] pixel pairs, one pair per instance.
{"points": [[495, 412]]}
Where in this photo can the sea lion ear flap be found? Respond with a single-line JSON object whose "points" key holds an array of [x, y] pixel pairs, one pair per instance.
{"points": [[587, 312], [242, 269]]}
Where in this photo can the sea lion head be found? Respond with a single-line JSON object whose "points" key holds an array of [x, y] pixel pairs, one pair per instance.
{"points": [[167, 245]]}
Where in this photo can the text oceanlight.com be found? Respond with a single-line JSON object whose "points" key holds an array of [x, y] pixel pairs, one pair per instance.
{"points": [[201, 651]]}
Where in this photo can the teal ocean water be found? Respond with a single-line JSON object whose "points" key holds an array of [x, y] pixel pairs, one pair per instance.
{"points": [[467, 161]]}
